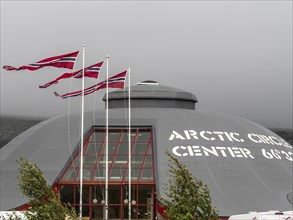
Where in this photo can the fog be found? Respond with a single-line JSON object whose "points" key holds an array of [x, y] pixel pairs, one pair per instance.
{"points": [[235, 56]]}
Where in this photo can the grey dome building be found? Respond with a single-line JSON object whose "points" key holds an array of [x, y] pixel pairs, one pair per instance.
{"points": [[246, 166]]}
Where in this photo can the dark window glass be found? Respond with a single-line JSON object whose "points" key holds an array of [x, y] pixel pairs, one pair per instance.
{"points": [[98, 194], [97, 212], [145, 195], [67, 194], [85, 210], [149, 151], [126, 211], [85, 195], [114, 194], [144, 212], [114, 212]]}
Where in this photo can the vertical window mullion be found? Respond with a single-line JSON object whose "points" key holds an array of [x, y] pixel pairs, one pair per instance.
{"points": [[115, 152], [98, 156], [90, 202], [127, 164], [136, 201], [152, 155], [121, 202], [143, 163]]}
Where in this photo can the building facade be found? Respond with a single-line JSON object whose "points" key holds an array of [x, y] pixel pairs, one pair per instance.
{"points": [[246, 166]]}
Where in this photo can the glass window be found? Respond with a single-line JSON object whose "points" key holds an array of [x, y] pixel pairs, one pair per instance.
{"points": [[99, 174], [76, 162], [145, 195], [98, 194], [85, 195], [97, 136], [95, 156], [143, 136], [93, 148], [136, 161], [116, 174], [111, 148], [67, 194], [148, 163], [114, 195], [126, 211], [103, 160], [134, 174], [125, 134], [89, 160], [71, 174], [120, 161], [144, 212], [114, 212], [113, 136], [97, 212], [123, 149], [147, 174], [140, 148], [85, 210]]}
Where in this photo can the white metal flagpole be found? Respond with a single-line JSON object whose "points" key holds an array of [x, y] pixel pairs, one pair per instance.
{"points": [[107, 144], [129, 148], [81, 135]]}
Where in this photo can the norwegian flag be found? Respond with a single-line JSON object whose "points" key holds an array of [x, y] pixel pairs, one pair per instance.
{"points": [[61, 61], [90, 71], [117, 81]]}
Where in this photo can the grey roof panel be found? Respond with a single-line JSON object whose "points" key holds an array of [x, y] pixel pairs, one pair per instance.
{"points": [[237, 184]]}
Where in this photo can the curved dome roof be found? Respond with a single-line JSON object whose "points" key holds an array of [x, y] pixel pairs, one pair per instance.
{"points": [[246, 166], [152, 94]]}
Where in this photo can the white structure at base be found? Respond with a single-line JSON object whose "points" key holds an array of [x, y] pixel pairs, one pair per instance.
{"points": [[13, 215], [270, 215]]}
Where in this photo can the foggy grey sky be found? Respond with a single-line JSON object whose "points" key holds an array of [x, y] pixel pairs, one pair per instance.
{"points": [[235, 56]]}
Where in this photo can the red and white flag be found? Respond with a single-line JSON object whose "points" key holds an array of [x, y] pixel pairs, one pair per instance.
{"points": [[117, 81], [90, 71], [61, 61]]}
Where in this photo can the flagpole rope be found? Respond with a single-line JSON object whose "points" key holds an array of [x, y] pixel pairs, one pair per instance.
{"points": [[129, 148], [107, 144], [95, 144], [68, 128], [81, 134]]}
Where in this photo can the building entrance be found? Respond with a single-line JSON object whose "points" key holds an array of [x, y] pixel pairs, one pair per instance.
{"points": [[142, 202], [95, 158]]}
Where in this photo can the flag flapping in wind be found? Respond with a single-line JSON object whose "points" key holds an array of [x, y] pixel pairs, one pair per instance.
{"points": [[61, 61], [117, 81], [90, 71]]}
